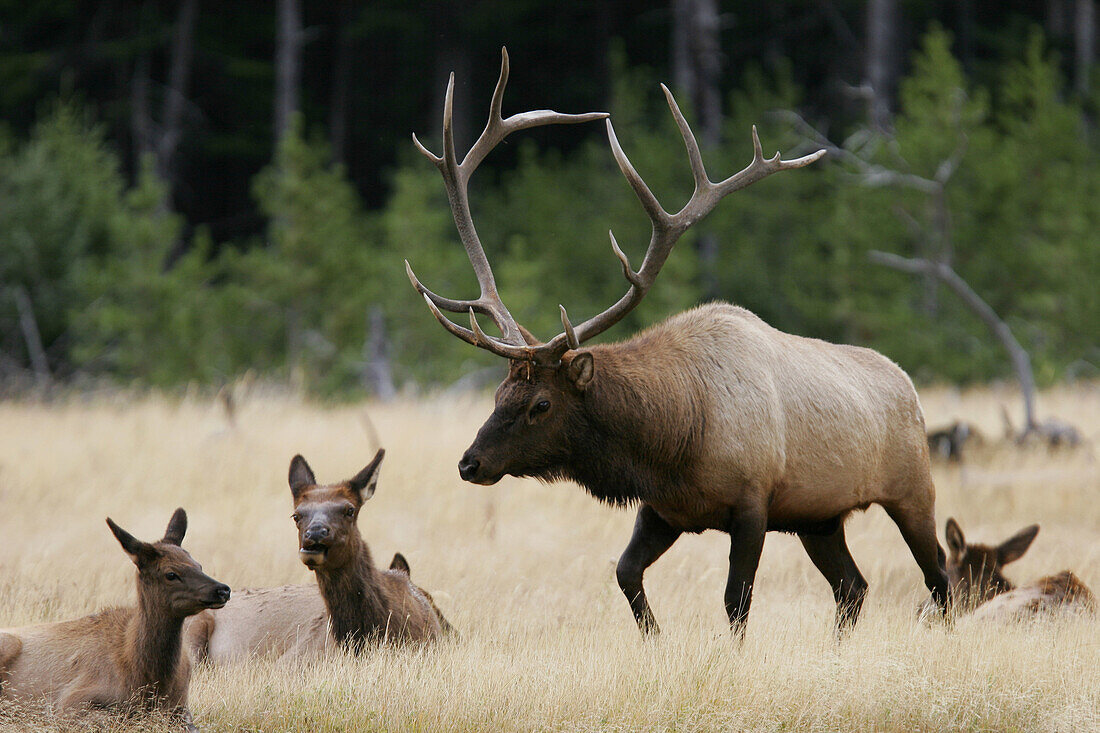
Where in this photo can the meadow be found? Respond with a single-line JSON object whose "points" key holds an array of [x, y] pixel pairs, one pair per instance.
{"points": [[525, 571]]}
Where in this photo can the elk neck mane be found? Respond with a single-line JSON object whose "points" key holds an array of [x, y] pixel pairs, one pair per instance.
{"points": [[641, 422], [154, 643], [353, 597]]}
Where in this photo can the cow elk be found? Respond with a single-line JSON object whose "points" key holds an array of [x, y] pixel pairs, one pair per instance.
{"points": [[981, 588], [710, 420], [357, 604], [127, 658]]}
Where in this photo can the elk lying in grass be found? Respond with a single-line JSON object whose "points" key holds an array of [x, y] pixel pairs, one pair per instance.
{"points": [[357, 603], [710, 420], [981, 588], [948, 443], [122, 657]]}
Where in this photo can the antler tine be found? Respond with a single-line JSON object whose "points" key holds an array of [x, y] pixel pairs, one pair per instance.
{"points": [[455, 178], [649, 202], [667, 228], [695, 157], [761, 167]]}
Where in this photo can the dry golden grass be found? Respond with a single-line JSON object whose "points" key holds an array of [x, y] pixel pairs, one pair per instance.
{"points": [[526, 573]]}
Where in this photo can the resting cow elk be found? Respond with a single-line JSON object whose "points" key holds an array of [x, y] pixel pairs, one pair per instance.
{"points": [[710, 420], [358, 603], [129, 658], [364, 603], [979, 586]]}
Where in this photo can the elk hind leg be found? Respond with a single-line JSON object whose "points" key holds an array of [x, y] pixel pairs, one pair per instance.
{"points": [[831, 556], [651, 538], [918, 529]]}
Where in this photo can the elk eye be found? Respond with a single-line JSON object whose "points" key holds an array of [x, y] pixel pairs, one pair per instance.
{"points": [[540, 406], [171, 576]]}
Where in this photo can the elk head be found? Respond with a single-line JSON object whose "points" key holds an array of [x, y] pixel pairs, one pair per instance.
{"points": [[974, 571], [326, 516], [168, 573], [526, 433]]}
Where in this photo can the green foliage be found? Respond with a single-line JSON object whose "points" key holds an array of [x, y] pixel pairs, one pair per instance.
{"points": [[59, 192], [118, 292]]}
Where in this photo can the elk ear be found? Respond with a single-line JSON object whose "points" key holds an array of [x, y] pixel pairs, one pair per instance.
{"points": [[177, 528], [400, 563], [366, 481], [1015, 546], [301, 475], [581, 369], [140, 552], [956, 542]]}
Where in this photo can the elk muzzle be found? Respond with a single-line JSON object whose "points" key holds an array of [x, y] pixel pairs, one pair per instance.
{"points": [[219, 596], [313, 547], [471, 469]]}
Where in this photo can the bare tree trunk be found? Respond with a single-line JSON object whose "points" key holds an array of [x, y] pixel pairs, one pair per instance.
{"points": [[341, 76], [29, 325], [141, 119], [175, 95], [1058, 18], [1021, 361], [882, 59], [288, 65], [1084, 30], [377, 374], [697, 68]]}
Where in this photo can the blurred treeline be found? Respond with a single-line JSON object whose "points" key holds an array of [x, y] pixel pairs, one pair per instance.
{"points": [[191, 191]]}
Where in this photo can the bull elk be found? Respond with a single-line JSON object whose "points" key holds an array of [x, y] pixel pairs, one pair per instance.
{"points": [[121, 657], [357, 604], [710, 420], [979, 586]]}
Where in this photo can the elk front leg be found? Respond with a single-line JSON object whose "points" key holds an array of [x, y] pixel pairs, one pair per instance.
{"points": [[652, 536], [747, 530]]}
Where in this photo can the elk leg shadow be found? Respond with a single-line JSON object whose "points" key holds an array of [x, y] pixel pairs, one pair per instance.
{"points": [[651, 538], [831, 556], [747, 529]]}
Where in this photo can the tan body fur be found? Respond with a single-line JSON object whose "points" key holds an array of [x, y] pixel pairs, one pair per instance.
{"points": [[125, 658], [291, 622], [808, 429], [82, 663]]}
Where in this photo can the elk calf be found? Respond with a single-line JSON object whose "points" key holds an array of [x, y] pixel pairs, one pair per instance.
{"points": [[128, 658], [357, 602], [980, 587]]}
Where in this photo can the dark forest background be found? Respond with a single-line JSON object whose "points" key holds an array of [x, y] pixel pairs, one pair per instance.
{"points": [[193, 190]]}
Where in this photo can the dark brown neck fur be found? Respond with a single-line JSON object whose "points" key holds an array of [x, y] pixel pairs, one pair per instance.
{"points": [[353, 595], [152, 648], [632, 440]]}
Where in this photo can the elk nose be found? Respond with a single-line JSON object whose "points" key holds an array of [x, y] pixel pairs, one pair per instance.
{"points": [[316, 533], [467, 468], [222, 592]]}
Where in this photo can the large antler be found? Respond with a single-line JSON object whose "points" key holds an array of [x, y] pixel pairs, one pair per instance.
{"points": [[455, 177], [667, 228]]}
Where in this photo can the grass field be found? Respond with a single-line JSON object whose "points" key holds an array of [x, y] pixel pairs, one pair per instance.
{"points": [[526, 573]]}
